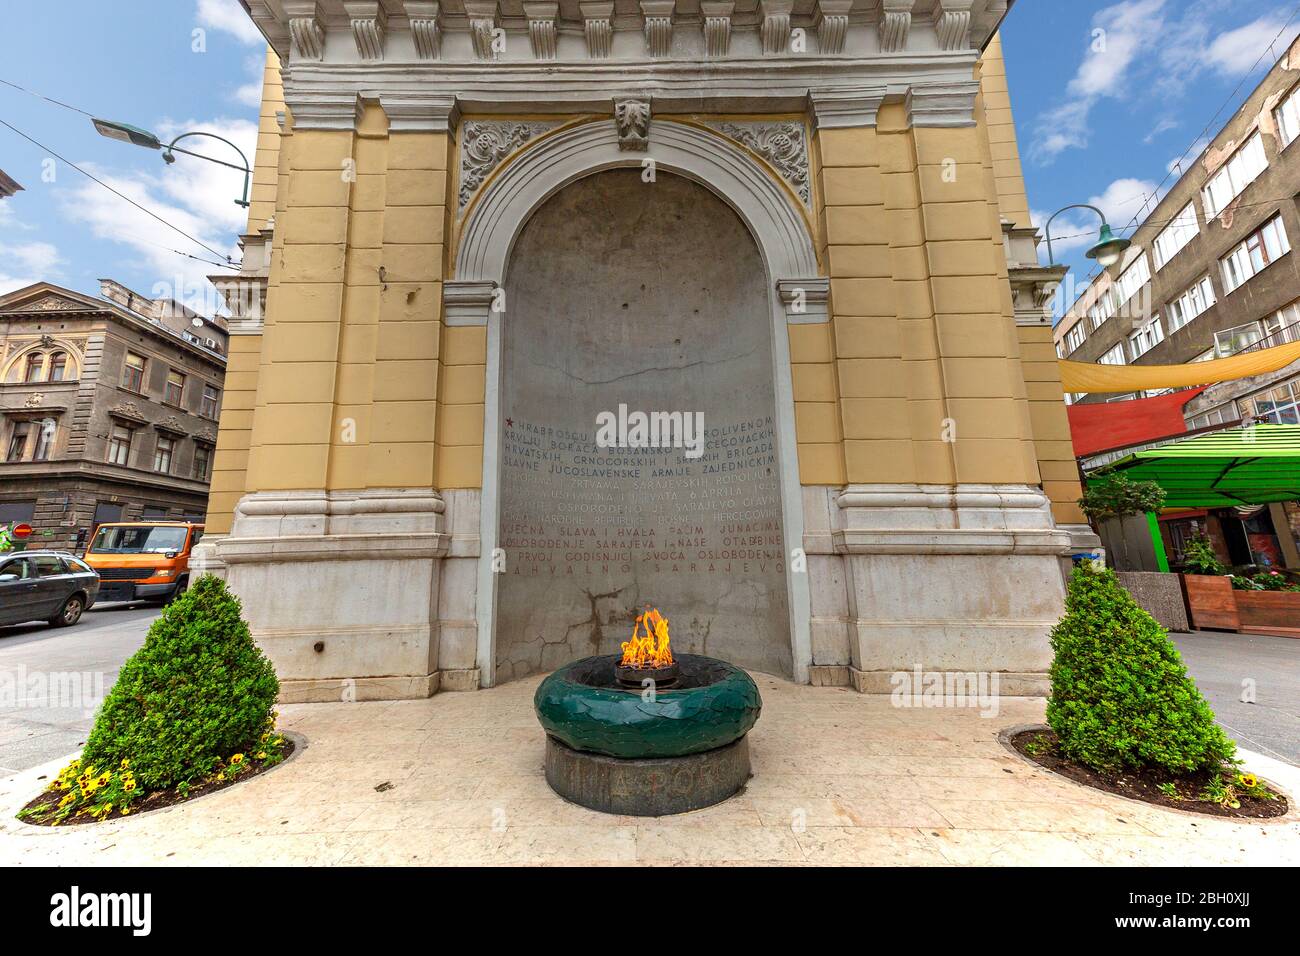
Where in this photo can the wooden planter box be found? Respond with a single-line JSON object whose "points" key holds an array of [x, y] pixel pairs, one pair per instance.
{"points": [[1268, 612], [1211, 602]]}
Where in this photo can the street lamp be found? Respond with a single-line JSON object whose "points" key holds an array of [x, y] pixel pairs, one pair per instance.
{"points": [[1106, 250], [126, 133]]}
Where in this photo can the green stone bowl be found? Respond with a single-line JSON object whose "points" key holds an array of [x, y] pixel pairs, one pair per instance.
{"points": [[713, 704]]}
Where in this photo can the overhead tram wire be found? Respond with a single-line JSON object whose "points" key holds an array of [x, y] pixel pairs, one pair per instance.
{"points": [[48, 99], [229, 262]]}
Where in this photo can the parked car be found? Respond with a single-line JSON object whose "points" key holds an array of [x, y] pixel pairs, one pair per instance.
{"points": [[142, 560], [51, 586]]}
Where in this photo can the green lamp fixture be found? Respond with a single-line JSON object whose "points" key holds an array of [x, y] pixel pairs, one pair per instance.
{"points": [[126, 133], [1106, 250]]}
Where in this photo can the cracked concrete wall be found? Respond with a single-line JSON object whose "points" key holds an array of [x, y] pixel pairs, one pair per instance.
{"points": [[653, 296]]}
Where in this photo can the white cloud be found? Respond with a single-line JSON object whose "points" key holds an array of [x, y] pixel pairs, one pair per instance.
{"points": [[27, 262], [250, 94], [1161, 126], [196, 196], [229, 17], [1120, 33], [1236, 52], [1119, 202], [1144, 50]]}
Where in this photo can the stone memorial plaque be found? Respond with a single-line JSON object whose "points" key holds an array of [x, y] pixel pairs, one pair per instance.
{"points": [[627, 297]]}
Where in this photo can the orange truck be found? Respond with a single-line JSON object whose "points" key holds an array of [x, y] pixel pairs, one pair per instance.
{"points": [[142, 560]]}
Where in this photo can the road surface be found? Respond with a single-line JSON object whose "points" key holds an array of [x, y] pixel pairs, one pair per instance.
{"points": [[52, 678]]}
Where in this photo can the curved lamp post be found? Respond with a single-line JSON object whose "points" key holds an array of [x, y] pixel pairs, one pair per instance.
{"points": [[126, 133], [1106, 250]]}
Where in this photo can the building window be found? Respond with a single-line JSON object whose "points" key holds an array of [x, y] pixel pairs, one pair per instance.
{"points": [[1146, 338], [18, 441], [1288, 118], [1215, 416], [1280, 405], [175, 388], [119, 445], [35, 362], [202, 460], [1190, 304], [133, 372], [1181, 230], [1231, 341], [211, 401], [1113, 356], [58, 366], [1102, 309], [162, 454], [45, 440], [1132, 279], [1284, 325], [1259, 250], [1074, 338], [1236, 174]]}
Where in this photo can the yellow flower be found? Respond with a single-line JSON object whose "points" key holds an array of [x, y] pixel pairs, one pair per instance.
{"points": [[266, 736], [129, 786], [125, 809], [1248, 780], [103, 780], [221, 776], [66, 800], [125, 763], [261, 755], [237, 759]]}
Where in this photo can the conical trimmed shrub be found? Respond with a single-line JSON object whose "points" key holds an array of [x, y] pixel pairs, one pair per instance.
{"points": [[198, 691], [1121, 697]]}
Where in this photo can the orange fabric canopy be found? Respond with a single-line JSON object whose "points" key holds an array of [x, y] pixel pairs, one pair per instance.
{"points": [[1091, 377]]}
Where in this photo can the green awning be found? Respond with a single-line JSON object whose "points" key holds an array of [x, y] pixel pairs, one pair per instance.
{"points": [[1238, 466]]}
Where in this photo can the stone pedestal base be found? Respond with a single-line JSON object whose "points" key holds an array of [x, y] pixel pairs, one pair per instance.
{"points": [[344, 591], [963, 579], [649, 787]]}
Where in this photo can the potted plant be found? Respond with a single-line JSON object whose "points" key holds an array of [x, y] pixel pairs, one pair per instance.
{"points": [[1208, 588], [1267, 603], [1108, 502]]}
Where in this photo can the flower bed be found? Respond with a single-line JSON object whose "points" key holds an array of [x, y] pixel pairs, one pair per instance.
{"points": [[1225, 793], [91, 795], [191, 712]]}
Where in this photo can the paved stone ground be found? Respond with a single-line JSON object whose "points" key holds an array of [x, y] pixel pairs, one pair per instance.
{"points": [[840, 778], [87, 657], [1222, 662]]}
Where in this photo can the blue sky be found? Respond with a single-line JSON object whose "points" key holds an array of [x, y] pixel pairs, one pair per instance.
{"points": [[1108, 96], [1101, 116], [141, 62]]}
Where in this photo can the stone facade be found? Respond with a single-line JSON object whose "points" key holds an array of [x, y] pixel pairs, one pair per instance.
{"points": [[65, 390], [905, 497]]}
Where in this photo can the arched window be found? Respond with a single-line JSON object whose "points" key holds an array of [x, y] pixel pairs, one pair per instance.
{"points": [[58, 366], [35, 362]]}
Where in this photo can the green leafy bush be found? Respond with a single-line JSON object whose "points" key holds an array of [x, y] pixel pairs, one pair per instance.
{"points": [[1199, 558], [1121, 697], [198, 691]]}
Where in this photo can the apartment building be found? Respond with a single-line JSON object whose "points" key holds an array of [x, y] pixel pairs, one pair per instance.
{"points": [[1210, 272], [108, 409]]}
